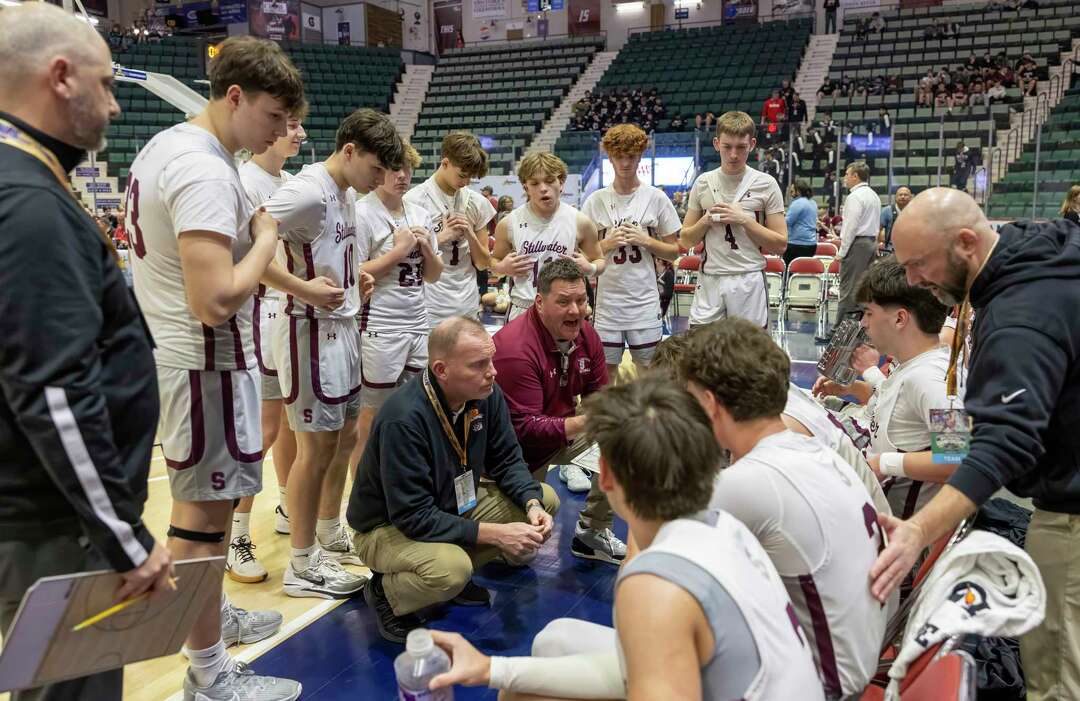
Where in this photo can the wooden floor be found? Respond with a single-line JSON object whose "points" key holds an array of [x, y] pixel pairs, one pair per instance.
{"points": [[163, 678]]}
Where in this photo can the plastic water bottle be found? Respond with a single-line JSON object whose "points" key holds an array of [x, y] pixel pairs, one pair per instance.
{"points": [[415, 668]]}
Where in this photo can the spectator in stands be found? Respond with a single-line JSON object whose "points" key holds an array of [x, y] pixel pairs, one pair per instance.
{"points": [[883, 124], [677, 123], [828, 188], [888, 218], [877, 23], [797, 110], [961, 166], [858, 237], [959, 96], [801, 222], [506, 205], [772, 107], [787, 92], [770, 166], [678, 198], [1070, 206], [995, 92], [116, 36], [828, 87], [419, 533], [862, 28], [825, 228], [830, 7], [488, 192], [942, 98], [977, 93]]}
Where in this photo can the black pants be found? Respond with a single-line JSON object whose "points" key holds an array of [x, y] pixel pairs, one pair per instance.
{"points": [[799, 250], [830, 21], [24, 562]]}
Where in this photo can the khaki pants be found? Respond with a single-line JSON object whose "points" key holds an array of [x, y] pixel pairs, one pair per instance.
{"points": [[419, 574], [597, 513], [1051, 653]]}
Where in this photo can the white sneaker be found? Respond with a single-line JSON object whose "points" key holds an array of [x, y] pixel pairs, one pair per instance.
{"points": [[576, 479], [323, 579], [242, 684], [340, 548], [597, 545], [281, 521], [242, 626], [241, 564]]}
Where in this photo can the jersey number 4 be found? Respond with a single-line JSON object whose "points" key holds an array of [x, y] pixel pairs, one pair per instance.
{"points": [[729, 236]]}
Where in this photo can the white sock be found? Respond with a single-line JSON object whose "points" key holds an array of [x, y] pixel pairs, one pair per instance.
{"points": [[301, 557], [327, 528], [283, 500], [241, 525], [206, 665]]}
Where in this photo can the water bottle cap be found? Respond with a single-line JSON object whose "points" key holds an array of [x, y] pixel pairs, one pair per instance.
{"points": [[419, 642]]}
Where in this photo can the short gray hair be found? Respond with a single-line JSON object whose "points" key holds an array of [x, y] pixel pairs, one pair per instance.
{"points": [[860, 170], [558, 269], [33, 33]]}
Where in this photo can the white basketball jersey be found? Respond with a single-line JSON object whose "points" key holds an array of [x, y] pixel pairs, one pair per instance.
{"points": [[317, 224], [259, 187], [541, 241], [728, 248], [815, 520], [899, 416], [817, 419], [185, 180], [455, 293], [398, 303], [728, 552], [627, 295]]}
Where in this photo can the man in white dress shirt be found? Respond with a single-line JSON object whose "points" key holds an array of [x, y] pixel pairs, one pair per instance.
{"points": [[858, 234]]}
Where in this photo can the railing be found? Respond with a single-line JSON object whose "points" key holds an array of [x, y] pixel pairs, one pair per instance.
{"points": [[513, 42]]}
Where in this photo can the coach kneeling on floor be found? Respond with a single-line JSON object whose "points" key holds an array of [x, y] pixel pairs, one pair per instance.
{"points": [[422, 517]]}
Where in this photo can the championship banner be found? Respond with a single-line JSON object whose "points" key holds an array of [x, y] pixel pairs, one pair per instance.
{"points": [[740, 10], [312, 22], [274, 19], [447, 23], [493, 9]]}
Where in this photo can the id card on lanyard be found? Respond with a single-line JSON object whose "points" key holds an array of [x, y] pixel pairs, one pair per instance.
{"points": [[950, 428], [464, 484]]}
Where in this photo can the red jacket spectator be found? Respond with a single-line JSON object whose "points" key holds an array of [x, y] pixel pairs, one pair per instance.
{"points": [[773, 106], [540, 383]]}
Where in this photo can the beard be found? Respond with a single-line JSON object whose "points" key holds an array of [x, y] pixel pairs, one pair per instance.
{"points": [[952, 291], [87, 126]]}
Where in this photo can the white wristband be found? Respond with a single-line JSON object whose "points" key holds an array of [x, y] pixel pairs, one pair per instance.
{"points": [[891, 465], [592, 270], [874, 376]]}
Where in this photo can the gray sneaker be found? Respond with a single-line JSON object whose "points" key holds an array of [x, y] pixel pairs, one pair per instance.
{"points": [[597, 545], [341, 549], [242, 684], [324, 578], [242, 626]]}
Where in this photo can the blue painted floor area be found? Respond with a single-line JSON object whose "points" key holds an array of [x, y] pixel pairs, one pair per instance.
{"points": [[341, 656]]}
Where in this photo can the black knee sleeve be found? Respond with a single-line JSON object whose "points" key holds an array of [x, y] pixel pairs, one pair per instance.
{"points": [[196, 536]]}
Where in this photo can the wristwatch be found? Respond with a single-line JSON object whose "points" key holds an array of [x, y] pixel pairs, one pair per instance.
{"points": [[533, 504]]}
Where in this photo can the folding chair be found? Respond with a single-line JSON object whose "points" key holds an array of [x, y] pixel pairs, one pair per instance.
{"points": [[686, 271], [804, 287], [774, 279]]}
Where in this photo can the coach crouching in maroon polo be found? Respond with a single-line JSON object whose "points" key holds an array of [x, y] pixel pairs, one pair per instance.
{"points": [[546, 359]]}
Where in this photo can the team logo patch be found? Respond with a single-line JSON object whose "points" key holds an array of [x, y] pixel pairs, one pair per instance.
{"points": [[583, 365], [970, 596], [477, 420]]}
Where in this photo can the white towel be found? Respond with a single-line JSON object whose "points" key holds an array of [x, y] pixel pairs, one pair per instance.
{"points": [[984, 585]]}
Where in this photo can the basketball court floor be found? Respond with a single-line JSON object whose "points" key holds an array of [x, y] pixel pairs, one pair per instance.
{"points": [[333, 647]]}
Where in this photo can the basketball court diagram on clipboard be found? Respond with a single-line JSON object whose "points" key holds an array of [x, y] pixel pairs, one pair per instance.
{"points": [[42, 648]]}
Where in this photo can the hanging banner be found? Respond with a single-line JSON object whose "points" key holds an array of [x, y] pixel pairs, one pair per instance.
{"points": [[545, 5], [233, 11], [584, 17], [344, 34], [274, 19], [448, 33], [495, 9], [740, 10]]}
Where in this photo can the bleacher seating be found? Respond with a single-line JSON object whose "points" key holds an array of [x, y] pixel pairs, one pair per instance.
{"points": [[1059, 166], [693, 74], [715, 68], [903, 51], [502, 92], [337, 80]]}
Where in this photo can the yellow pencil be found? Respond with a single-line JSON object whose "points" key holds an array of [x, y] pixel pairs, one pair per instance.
{"points": [[116, 609]]}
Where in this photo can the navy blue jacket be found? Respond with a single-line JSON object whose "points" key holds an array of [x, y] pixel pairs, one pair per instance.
{"points": [[1024, 378]]}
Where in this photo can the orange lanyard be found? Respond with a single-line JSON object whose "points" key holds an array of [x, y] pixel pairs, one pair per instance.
{"points": [[447, 426]]}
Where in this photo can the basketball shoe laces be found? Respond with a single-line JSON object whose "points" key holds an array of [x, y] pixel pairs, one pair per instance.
{"points": [[243, 548]]}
